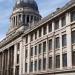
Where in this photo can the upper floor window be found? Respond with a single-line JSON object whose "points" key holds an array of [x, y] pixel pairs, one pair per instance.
{"points": [[44, 46], [56, 25], [23, 19], [35, 66], [44, 30], [57, 43], [58, 61], [72, 16], [40, 32], [18, 46], [64, 40], [31, 36], [73, 37], [64, 60], [35, 50], [17, 58], [40, 45], [31, 53], [39, 64], [50, 27], [73, 58], [35, 34], [26, 39], [50, 62], [31, 67], [50, 44], [25, 67], [63, 20], [26, 52], [44, 63]]}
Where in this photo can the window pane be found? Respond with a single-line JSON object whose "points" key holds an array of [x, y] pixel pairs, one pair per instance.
{"points": [[31, 53], [40, 32], [73, 37], [50, 44], [58, 61], [50, 62], [73, 58], [56, 24], [65, 60], [35, 50], [39, 63], [64, 42], [35, 66], [31, 67], [44, 30], [36, 35], [44, 46], [50, 27], [40, 48], [25, 67], [72, 16], [44, 63]]}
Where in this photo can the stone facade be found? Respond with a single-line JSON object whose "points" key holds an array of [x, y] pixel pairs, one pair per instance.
{"points": [[35, 46]]}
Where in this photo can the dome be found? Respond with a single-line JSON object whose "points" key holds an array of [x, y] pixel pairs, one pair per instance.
{"points": [[26, 3]]}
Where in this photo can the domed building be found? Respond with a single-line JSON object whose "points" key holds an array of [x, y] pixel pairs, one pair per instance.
{"points": [[35, 46]]}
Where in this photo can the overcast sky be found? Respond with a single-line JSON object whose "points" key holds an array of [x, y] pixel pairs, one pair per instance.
{"points": [[6, 6]]}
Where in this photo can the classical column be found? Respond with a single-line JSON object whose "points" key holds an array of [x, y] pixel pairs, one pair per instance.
{"points": [[52, 26], [60, 51], [69, 48], [15, 57]]}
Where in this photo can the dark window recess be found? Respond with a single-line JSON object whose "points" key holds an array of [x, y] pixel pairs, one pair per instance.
{"points": [[27, 18], [17, 58], [63, 20], [39, 64], [27, 39], [17, 70], [40, 32], [25, 67], [73, 37], [50, 44], [31, 53], [31, 36], [73, 58], [44, 63], [72, 16], [35, 66], [44, 30], [26, 53], [65, 60], [40, 48], [31, 67], [64, 40], [44, 46], [50, 62], [35, 50], [58, 61], [23, 19], [50, 27], [35, 34]]}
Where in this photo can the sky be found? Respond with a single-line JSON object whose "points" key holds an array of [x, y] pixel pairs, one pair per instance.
{"points": [[6, 7]]}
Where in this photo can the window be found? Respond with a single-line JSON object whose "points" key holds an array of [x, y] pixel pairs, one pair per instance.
{"points": [[26, 53], [23, 19], [50, 44], [58, 61], [57, 43], [35, 50], [56, 24], [65, 60], [50, 27], [63, 20], [18, 46], [35, 66], [17, 58], [25, 67], [35, 34], [44, 63], [44, 46], [73, 58], [39, 64], [72, 16], [40, 48], [17, 70], [40, 32], [31, 67], [31, 53], [26, 39], [73, 37], [64, 42], [27, 18], [50, 62], [44, 30], [31, 36]]}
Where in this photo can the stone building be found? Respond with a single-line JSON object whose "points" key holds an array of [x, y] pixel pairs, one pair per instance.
{"points": [[35, 46]]}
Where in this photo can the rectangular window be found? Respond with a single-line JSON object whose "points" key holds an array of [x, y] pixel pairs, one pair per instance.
{"points": [[72, 16], [17, 58], [57, 43], [73, 58], [35, 34], [31, 67], [58, 61], [25, 67], [50, 62], [50, 44], [40, 32], [35, 50], [27, 39], [16, 71], [31, 36], [44, 30], [40, 45], [63, 20], [73, 37], [44, 63], [50, 27], [35, 66], [56, 24], [44, 46], [31, 53], [18, 46], [39, 64], [65, 60], [64, 40], [26, 53]]}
